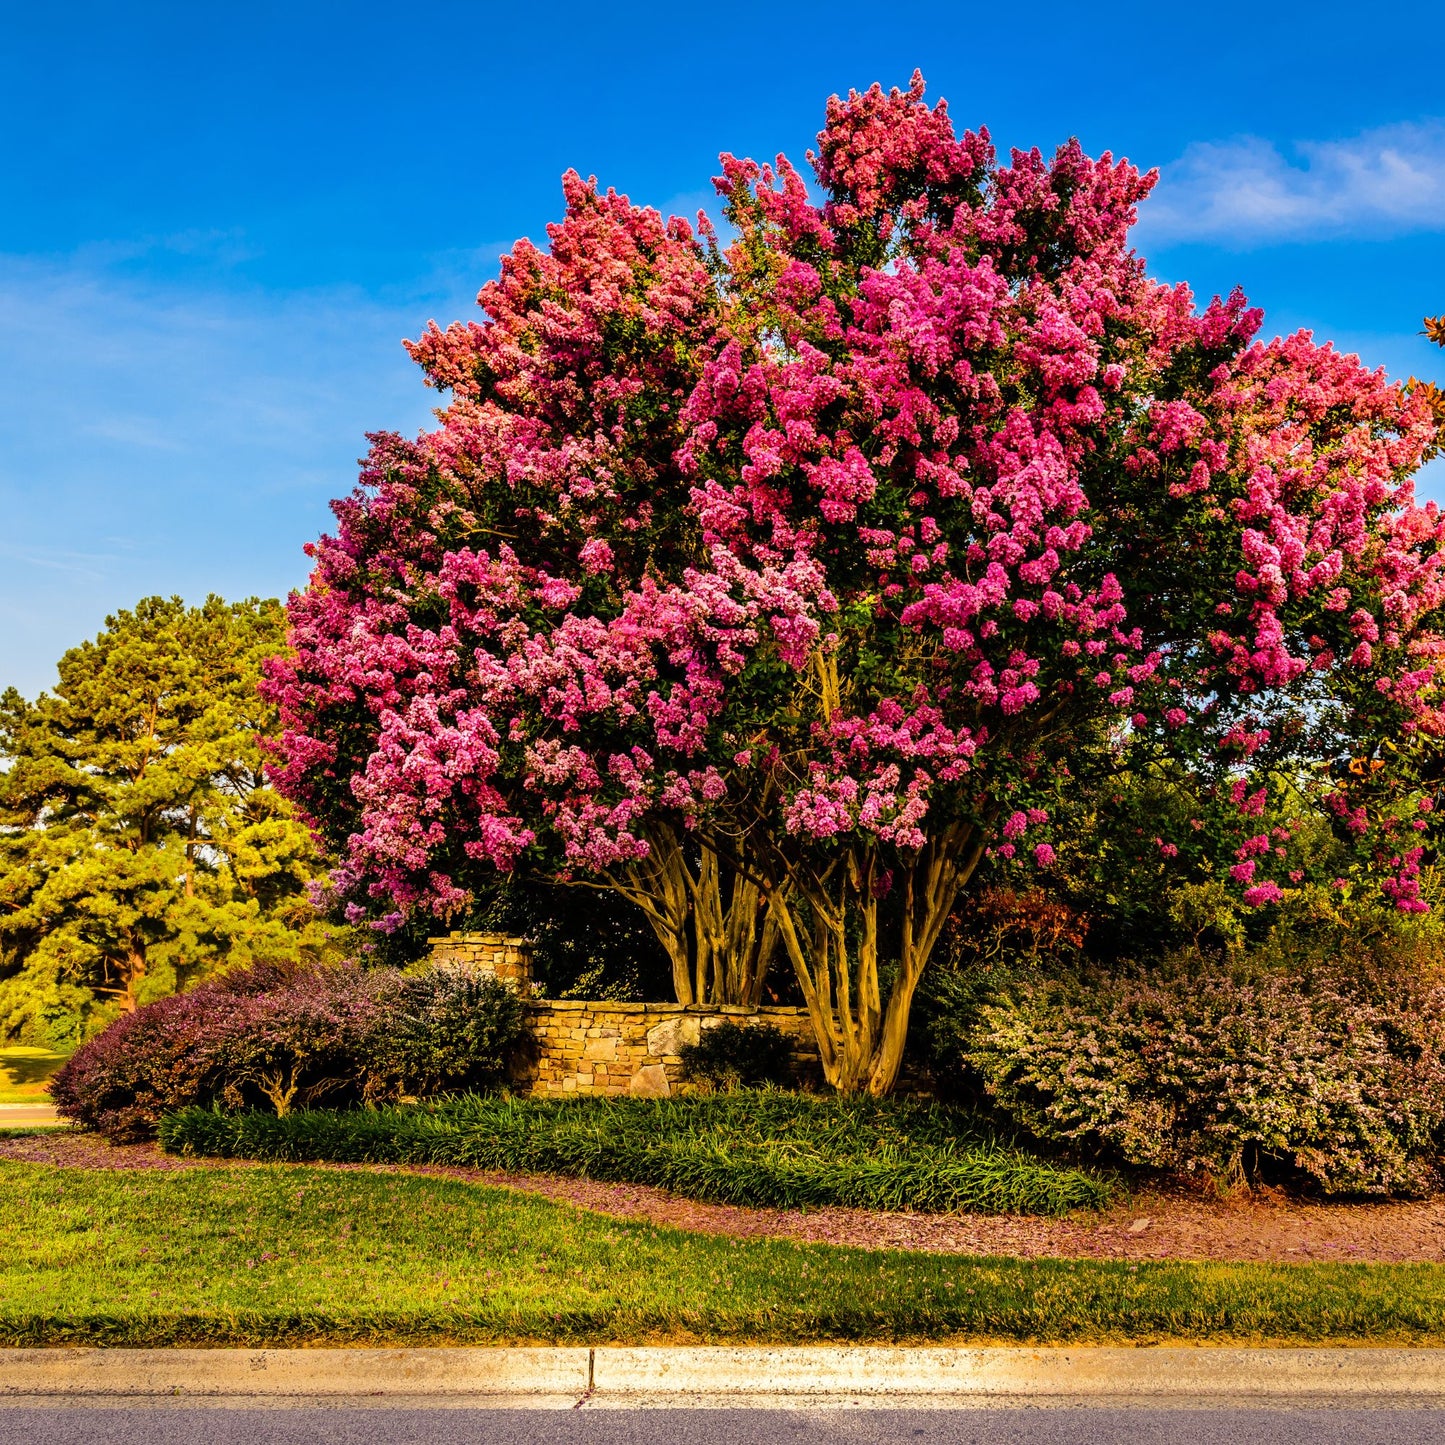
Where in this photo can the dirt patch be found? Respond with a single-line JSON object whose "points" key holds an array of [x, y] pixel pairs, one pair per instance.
{"points": [[1260, 1227]]}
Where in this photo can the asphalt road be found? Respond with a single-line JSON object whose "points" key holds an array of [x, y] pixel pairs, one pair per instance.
{"points": [[26, 1116], [80, 1425]]}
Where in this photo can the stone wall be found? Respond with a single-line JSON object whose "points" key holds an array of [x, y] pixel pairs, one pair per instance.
{"points": [[600, 1047], [633, 1048]]}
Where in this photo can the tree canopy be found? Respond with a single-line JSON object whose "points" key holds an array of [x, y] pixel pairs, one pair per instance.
{"points": [[1434, 331], [781, 582], [139, 843]]}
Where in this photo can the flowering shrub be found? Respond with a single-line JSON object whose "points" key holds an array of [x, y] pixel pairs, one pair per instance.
{"points": [[806, 563], [163, 1056], [1331, 1069], [289, 1038]]}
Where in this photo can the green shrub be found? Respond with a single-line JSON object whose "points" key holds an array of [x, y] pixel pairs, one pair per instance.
{"points": [[738, 1056], [444, 1029], [946, 1013], [1315, 1067], [763, 1149]]}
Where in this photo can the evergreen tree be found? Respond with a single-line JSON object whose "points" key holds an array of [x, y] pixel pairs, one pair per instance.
{"points": [[140, 846]]}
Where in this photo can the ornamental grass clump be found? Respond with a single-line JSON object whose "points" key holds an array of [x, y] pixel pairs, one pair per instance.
{"points": [[758, 1148], [1323, 1069], [285, 1038]]}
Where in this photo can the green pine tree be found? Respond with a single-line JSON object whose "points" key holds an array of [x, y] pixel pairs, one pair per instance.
{"points": [[140, 847]]}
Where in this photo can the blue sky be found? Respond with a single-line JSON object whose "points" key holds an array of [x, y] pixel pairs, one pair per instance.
{"points": [[217, 222]]}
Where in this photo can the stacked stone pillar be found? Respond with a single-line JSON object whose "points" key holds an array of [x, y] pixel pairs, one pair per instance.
{"points": [[498, 954]]}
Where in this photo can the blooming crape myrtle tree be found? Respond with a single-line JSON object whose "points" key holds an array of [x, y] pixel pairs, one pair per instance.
{"points": [[1042, 491], [462, 619], [955, 487]]}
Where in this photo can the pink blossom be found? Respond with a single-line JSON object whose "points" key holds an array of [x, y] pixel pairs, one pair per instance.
{"points": [[596, 556], [818, 540], [1262, 893]]}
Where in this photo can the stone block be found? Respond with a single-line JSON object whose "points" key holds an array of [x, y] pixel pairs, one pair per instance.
{"points": [[668, 1037], [650, 1082]]}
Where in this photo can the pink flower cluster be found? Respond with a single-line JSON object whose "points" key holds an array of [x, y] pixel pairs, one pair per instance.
{"points": [[845, 532]]}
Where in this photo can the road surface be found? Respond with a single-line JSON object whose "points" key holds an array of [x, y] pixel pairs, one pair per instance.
{"points": [[341, 1425], [17, 1116]]}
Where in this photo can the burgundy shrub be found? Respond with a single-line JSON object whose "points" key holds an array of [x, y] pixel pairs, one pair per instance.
{"points": [[289, 1039]]}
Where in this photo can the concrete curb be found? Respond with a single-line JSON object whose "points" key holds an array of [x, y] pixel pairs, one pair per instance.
{"points": [[713, 1377], [541, 1378]]}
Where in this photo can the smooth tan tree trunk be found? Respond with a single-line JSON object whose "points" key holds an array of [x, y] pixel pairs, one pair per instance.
{"points": [[829, 926], [715, 924]]}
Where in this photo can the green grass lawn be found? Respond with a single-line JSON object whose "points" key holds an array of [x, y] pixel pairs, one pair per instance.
{"points": [[765, 1148], [304, 1255], [25, 1072]]}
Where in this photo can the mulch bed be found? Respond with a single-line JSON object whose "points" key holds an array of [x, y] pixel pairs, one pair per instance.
{"points": [[1261, 1227]]}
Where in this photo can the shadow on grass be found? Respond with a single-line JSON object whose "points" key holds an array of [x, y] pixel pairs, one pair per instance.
{"points": [[24, 1072]]}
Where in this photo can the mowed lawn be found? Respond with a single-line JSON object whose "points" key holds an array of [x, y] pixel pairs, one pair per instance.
{"points": [[304, 1255], [25, 1074]]}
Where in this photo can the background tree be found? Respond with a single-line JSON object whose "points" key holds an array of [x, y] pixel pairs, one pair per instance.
{"points": [[957, 492], [141, 846]]}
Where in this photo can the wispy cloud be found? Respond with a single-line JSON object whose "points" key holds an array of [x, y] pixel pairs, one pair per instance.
{"points": [[79, 566], [1248, 192], [162, 434], [134, 431]]}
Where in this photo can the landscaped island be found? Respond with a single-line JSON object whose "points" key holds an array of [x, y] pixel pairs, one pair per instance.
{"points": [[890, 709]]}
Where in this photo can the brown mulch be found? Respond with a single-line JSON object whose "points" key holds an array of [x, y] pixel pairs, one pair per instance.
{"points": [[73, 1150], [1260, 1227]]}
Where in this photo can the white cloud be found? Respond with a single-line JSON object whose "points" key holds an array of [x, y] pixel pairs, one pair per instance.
{"points": [[1246, 192]]}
